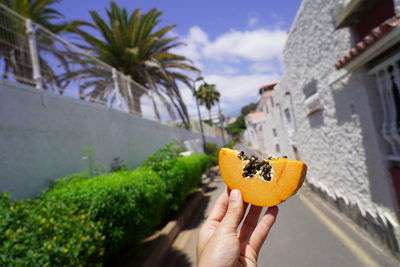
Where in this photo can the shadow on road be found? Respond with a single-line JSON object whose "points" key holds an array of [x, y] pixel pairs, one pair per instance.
{"points": [[177, 258], [199, 215]]}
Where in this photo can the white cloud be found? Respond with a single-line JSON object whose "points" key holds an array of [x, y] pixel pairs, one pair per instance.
{"points": [[262, 48], [237, 90], [227, 69], [189, 100], [197, 35], [194, 44], [233, 46], [260, 67], [255, 45], [252, 22]]}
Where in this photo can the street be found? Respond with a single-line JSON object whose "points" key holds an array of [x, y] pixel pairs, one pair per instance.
{"points": [[307, 233]]}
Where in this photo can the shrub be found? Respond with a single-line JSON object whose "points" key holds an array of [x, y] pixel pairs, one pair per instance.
{"points": [[181, 176], [173, 176], [84, 220], [53, 233], [236, 128], [231, 144], [212, 150], [129, 204], [169, 152], [164, 163], [118, 165], [193, 166], [190, 169]]}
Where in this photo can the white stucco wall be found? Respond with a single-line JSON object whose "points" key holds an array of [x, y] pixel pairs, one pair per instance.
{"points": [[42, 136], [397, 6], [274, 119], [254, 133], [341, 144]]}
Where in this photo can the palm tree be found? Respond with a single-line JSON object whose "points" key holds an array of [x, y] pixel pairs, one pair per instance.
{"points": [[131, 44], [208, 96], [39, 11], [14, 49]]}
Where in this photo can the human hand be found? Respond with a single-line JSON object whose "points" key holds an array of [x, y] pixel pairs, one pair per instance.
{"points": [[219, 244]]}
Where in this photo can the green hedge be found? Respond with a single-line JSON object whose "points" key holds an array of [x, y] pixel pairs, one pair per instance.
{"points": [[193, 166], [181, 176], [48, 233], [129, 204], [84, 221], [212, 150]]}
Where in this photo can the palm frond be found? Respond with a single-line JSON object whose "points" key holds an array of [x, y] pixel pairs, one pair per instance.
{"points": [[131, 44]]}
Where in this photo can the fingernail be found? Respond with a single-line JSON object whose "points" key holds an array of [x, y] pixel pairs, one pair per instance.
{"points": [[235, 194]]}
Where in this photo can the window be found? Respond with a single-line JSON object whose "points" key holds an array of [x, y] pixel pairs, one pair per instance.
{"points": [[288, 116], [387, 77], [312, 100], [289, 122], [274, 133], [272, 101], [277, 148], [310, 89]]}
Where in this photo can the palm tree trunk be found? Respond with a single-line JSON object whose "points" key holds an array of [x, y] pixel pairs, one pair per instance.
{"points": [[152, 93], [221, 123], [133, 102], [182, 105], [157, 113], [136, 107]]}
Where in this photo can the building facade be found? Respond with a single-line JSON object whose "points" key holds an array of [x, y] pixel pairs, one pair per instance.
{"points": [[337, 108]]}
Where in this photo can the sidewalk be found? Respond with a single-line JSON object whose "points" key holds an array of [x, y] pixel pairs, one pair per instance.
{"points": [[308, 232]]}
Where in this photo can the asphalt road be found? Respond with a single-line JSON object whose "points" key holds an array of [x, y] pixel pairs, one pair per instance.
{"points": [[307, 233]]}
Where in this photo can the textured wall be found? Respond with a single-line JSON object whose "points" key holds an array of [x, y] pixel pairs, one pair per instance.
{"points": [[275, 120], [397, 7], [342, 143], [42, 136]]}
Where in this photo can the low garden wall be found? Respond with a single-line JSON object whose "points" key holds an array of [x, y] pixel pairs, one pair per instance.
{"points": [[44, 136]]}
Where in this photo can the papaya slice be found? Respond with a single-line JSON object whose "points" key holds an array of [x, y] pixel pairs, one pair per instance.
{"points": [[263, 183]]}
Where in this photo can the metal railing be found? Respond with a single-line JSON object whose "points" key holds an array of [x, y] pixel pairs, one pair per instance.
{"points": [[387, 77], [32, 55]]}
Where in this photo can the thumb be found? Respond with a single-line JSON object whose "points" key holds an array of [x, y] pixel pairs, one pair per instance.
{"points": [[235, 212]]}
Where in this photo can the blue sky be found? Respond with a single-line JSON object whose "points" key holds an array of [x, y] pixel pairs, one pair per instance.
{"points": [[237, 44]]}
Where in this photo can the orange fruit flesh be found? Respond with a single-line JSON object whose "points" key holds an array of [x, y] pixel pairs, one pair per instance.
{"points": [[287, 177]]}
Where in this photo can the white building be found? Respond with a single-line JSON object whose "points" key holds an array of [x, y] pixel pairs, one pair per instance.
{"points": [[255, 134], [254, 130], [337, 108]]}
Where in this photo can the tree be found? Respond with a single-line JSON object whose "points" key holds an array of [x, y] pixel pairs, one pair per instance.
{"points": [[14, 47], [208, 96], [131, 44], [237, 127], [248, 108]]}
